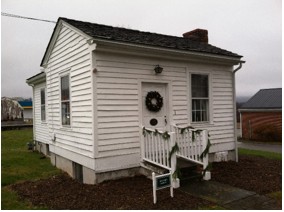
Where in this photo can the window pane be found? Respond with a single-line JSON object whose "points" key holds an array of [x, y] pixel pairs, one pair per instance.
{"points": [[42, 103], [65, 112], [204, 116], [43, 112], [204, 104], [42, 96], [198, 116], [194, 116], [65, 88], [200, 110], [199, 85]]}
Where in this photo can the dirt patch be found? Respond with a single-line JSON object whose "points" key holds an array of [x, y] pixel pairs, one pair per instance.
{"points": [[61, 192], [256, 174]]}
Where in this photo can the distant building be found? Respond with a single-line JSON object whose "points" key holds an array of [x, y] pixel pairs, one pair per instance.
{"points": [[28, 110], [10, 109], [261, 116]]}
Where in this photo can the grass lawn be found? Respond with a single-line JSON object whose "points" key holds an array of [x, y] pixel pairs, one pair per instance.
{"points": [[269, 155], [19, 164]]}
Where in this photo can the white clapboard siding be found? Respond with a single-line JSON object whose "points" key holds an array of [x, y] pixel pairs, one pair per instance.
{"points": [[117, 88], [41, 127], [70, 54], [120, 141], [223, 131], [118, 100]]}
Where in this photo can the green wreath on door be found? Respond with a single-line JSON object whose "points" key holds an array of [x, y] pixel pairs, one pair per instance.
{"points": [[154, 101]]}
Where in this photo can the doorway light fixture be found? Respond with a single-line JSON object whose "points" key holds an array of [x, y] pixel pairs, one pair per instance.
{"points": [[158, 69]]}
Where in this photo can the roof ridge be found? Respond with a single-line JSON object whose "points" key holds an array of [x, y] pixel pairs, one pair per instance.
{"points": [[174, 36]]}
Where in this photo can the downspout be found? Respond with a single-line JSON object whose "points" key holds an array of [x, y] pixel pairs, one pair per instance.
{"points": [[235, 110], [34, 137]]}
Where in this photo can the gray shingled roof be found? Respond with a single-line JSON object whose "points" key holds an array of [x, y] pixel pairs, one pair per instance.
{"points": [[265, 99], [145, 38]]}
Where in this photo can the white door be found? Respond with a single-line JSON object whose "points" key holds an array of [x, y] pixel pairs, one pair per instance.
{"points": [[155, 115]]}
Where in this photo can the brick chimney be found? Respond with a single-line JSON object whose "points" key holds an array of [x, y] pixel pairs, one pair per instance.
{"points": [[200, 35]]}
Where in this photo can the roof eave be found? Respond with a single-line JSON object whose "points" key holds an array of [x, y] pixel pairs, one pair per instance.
{"points": [[260, 109], [212, 57], [36, 79]]}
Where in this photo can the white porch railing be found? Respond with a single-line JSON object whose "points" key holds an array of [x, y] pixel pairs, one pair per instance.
{"points": [[192, 145], [158, 145]]}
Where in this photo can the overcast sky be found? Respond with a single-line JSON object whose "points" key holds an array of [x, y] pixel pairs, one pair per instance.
{"points": [[251, 28]]}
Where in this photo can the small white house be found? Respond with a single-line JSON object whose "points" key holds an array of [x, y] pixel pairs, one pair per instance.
{"points": [[102, 87]]}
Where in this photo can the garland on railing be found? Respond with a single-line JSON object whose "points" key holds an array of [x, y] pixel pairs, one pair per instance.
{"points": [[144, 131], [183, 129], [206, 150], [194, 131], [165, 135], [203, 154], [174, 149], [177, 173]]}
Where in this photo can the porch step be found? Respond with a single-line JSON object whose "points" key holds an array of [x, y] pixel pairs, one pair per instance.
{"points": [[188, 171], [149, 168]]}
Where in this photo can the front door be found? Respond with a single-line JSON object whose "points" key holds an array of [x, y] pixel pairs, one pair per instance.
{"points": [[155, 105]]}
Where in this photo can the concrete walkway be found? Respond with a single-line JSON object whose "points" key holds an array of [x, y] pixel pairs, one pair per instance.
{"points": [[275, 147], [229, 197]]}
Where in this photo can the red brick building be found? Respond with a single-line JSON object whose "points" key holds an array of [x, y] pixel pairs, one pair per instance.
{"points": [[261, 116]]}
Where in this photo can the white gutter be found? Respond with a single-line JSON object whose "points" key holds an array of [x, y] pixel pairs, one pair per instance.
{"points": [[34, 119], [235, 109], [36, 79], [240, 66]]}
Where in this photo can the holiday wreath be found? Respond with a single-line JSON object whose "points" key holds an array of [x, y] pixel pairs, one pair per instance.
{"points": [[154, 101]]}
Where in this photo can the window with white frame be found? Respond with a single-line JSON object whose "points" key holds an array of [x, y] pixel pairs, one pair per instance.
{"points": [[199, 98], [65, 100], [42, 104]]}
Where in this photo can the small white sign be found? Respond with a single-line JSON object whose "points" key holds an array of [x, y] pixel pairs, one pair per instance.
{"points": [[160, 182]]}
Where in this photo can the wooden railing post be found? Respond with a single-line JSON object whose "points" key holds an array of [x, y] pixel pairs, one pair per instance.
{"points": [[143, 153], [175, 180], [207, 174]]}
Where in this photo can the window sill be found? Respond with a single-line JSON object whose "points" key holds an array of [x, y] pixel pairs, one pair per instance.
{"points": [[66, 127], [202, 124]]}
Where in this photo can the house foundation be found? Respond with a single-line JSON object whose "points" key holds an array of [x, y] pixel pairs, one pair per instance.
{"points": [[89, 176], [42, 148]]}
